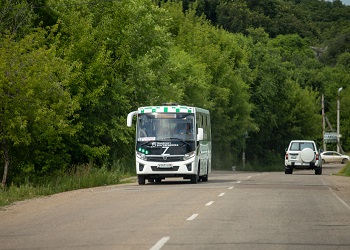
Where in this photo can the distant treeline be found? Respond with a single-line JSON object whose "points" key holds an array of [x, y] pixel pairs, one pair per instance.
{"points": [[71, 71]]}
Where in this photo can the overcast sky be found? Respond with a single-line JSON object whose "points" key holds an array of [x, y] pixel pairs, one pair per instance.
{"points": [[347, 2]]}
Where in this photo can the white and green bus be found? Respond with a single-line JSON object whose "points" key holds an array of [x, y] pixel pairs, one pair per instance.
{"points": [[172, 141]]}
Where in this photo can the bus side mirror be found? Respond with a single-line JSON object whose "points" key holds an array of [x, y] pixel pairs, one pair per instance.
{"points": [[200, 134], [129, 119]]}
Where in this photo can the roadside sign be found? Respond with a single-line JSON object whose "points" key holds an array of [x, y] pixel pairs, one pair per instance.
{"points": [[330, 137]]}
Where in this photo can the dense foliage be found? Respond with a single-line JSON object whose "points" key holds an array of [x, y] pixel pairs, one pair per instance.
{"points": [[71, 71]]}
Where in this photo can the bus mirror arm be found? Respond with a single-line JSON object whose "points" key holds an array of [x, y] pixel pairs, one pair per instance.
{"points": [[129, 119], [200, 134]]}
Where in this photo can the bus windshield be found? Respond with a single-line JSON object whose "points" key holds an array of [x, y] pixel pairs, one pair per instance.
{"points": [[165, 126]]}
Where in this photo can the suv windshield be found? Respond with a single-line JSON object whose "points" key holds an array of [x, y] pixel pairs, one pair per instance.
{"points": [[298, 146]]}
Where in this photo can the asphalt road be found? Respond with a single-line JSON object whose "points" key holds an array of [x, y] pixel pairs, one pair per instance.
{"points": [[234, 210]]}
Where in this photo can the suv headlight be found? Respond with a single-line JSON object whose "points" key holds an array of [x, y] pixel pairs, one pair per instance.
{"points": [[140, 155], [189, 155]]}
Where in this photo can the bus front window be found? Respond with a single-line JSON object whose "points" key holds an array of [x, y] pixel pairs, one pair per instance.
{"points": [[165, 126]]}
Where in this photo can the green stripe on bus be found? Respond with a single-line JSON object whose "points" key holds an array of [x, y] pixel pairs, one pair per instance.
{"points": [[167, 109]]}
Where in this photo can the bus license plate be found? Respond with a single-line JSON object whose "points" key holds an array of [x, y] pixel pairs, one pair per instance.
{"points": [[165, 166]]}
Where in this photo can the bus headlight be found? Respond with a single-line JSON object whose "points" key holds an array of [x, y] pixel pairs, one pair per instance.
{"points": [[189, 155], [141, 156]]}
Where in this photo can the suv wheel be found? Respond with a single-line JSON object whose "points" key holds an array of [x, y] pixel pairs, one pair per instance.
{"points": [[318, 171], [141, 179], [288, 171]]}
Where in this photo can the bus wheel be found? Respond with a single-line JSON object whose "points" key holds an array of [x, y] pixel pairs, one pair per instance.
{"points": [[205, 177], [141, 179], [194, 179]]}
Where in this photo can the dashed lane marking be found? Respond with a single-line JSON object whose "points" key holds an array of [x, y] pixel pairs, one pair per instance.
{"points": [[209, 203], [192, 217], [160, 243]]}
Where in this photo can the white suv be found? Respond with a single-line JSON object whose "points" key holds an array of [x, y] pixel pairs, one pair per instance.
{"points": [[302, 154]]}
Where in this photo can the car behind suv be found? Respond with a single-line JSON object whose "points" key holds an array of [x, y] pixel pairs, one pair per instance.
{"points": [[334, 157], [302, 154]]}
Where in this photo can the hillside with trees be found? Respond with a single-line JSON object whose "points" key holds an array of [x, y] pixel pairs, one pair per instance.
{"points": [[71, 71]]}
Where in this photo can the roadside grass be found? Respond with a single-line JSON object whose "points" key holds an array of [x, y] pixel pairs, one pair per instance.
{"points": [[83, 178], [345, 171]]}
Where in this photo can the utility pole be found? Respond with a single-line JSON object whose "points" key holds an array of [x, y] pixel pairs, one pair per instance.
{"points": [[323, 124], [245, 136], [338, 120]]}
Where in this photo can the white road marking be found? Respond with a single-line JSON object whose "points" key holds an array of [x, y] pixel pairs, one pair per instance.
{"points": [[160, 243], [344, 203], [193, 216], [238, 181], [249, 177], [222, 194], [209, 203], [230, 188]]}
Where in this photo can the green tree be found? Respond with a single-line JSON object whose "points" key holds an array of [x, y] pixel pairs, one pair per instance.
{"points": [[234, 16], [345, 119], [344, 61], [333, 78], [336, 47], [284, 110], [16, 17], [223, 58], [123, 52], [35, 105]]}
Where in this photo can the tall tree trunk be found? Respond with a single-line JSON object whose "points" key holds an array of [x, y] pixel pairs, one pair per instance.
{"points": [[6, 162]]}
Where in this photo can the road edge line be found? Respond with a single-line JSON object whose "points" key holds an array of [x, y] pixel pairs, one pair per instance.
{"points": [[340, 199]]}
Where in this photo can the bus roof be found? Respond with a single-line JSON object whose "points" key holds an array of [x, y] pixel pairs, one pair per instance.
{"points": [[170, 109]]}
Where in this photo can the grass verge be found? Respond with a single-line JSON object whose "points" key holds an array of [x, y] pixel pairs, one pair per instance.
{"points": [[345, 171], [81, 179]]}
